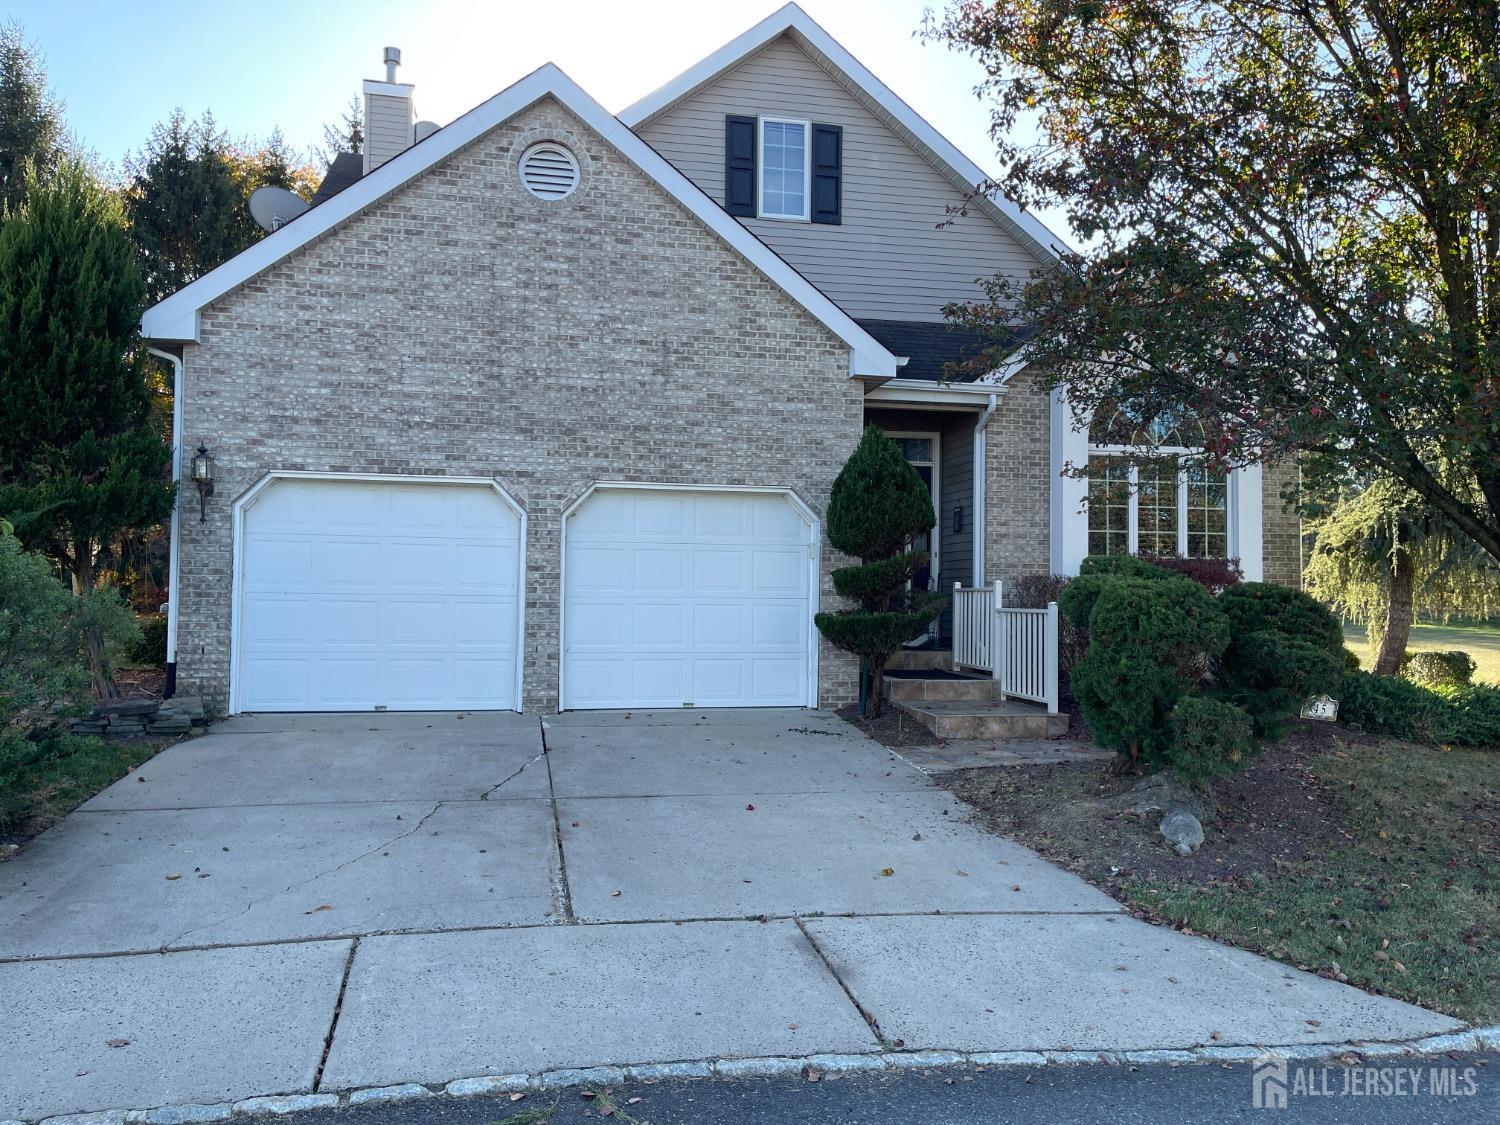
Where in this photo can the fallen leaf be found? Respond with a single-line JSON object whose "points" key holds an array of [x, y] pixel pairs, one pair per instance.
{"points": [[813, 1074], [961, 873], [632, 1101], [117, 1043], [887, 871], [614, 894], [1216, 1035], [749, 808], [173, 877], [517, 1097], [1016, 887], [319, 909]]}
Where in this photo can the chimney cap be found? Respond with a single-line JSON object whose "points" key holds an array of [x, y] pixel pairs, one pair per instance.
{"points": [[392, 61]]}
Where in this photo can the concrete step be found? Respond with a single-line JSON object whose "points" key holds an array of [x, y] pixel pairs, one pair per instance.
{"points": [[970, 689], [922, 658], [1008, 720]]}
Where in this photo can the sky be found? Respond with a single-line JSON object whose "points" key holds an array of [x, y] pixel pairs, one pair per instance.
{"points": [[121, 67]]}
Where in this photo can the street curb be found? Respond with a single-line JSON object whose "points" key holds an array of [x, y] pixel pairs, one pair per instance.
{"points": [[817, 1065]]}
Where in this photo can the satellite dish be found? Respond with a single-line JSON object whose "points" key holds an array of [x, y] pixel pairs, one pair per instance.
{"points": [[274, 207], [424, 129]]}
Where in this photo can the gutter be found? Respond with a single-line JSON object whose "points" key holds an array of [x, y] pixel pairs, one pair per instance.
{"points": [[170, 688], [980, 523]]}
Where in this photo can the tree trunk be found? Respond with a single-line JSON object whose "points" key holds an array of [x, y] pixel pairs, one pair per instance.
{"points": [[1398, 616], [875, 694], [83, 585]]}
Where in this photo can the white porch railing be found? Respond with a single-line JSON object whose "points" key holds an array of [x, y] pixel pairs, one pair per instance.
{"points": [[1018, 647]]}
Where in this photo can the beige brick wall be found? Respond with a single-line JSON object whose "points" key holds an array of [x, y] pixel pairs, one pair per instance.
{"points": [[1281, 528], [462, 327], [1019, 482]]}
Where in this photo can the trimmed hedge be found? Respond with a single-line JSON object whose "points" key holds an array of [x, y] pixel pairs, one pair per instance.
{"points": [[1453, 668], [1210, 738], [1256, 606], [1467, 716], [1214, 575], [1150, 641]]}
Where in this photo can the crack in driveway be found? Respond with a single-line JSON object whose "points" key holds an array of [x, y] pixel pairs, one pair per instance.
{"points": [[311, 878], [485, 796]]}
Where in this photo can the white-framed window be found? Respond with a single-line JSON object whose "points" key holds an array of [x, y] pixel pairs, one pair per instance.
{"points": [[785, 165], [1172, 504]]}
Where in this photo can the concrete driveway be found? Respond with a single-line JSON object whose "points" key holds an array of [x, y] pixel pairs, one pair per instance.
{"points": [[319, 902]]}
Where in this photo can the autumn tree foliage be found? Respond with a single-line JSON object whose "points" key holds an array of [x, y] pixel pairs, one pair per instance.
{"points": [[1290, 208]]}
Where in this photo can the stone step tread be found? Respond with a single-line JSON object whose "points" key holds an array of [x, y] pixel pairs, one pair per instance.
{"points": [[968, 707]]}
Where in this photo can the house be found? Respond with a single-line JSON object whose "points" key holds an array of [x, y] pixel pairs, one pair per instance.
{"points": [[541, 409]]}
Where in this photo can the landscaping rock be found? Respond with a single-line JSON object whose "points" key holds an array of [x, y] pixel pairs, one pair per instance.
{"points": [[128, 707], [1182, 831], [1162, 793], [190, 705]]}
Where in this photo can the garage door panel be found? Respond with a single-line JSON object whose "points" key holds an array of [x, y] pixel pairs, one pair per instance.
{"points": [[358, 596], [777, 679], [697, 587], [779, 571]]}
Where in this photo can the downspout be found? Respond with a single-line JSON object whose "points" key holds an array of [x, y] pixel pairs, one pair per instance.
{"points": [[170, 688], [981, 524]]}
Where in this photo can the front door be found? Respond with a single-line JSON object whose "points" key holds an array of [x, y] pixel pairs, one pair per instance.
{"points": [[921, 451]]}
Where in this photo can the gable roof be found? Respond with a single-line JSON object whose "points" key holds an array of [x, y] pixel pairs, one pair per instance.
{"points": [[930, 346], [874, 94], [175, 319]]}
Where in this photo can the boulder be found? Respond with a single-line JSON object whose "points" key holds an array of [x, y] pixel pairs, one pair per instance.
{"points": [[1182, 830], [1162, 793], [129, 707]]}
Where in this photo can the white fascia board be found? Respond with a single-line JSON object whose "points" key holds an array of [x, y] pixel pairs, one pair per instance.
{"points": [[175, 319], [929, 391], [1032, 233], [389, 89]]}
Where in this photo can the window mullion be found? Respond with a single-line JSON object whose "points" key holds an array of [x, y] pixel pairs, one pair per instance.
{"points": [[1133, 520], [1182, 510]]}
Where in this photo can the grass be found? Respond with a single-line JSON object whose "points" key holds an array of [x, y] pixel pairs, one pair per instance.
{"points": [[1481, 641], [1409, 906], [39, 794]]}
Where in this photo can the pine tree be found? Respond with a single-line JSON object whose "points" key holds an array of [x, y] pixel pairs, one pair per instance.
{"points": [[345, 135], [80, 462], [878, 506], [31, 130]]}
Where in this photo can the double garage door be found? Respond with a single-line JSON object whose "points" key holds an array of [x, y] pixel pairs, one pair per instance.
{"points": [[361, 595]]}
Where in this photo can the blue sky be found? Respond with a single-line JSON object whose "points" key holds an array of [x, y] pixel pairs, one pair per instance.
{"points": [[122, 67]]}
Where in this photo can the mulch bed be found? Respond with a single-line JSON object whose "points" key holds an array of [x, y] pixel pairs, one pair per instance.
{"points": [[140, 683], [894, 728], [1273, 814]]}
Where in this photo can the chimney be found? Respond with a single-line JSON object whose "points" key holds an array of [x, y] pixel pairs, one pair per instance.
{"points": [[389, 115]]}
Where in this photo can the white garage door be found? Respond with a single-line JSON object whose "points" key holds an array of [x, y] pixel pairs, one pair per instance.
{"points": [[676, 599], [358, 595]]}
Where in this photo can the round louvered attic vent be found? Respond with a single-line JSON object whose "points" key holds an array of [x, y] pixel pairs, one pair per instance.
{"points": [[549, 171]]}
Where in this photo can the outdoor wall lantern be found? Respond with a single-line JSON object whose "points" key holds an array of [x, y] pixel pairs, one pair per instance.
{"points": [[958, 519], [203, 477]]}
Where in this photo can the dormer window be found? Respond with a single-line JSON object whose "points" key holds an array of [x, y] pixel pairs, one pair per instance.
{"points": [[784, 174], [784, 169]]}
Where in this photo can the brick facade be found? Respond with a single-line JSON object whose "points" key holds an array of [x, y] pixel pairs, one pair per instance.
{"points": [[1018, 484], [1281, 527], [462, 327]]}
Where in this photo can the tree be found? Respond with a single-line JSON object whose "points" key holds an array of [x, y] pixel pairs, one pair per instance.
{"points": [[347, 134], [1292, 213], [80, 462], [31, 128], [187, 201], [878, 506], [1381, 555]]}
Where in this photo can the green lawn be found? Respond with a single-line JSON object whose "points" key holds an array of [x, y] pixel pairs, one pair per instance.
{"points": [[1482, 642], [1409, 907], [38, 794]]}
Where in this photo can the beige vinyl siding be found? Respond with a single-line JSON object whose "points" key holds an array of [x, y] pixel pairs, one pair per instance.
{"points": [[888, 259], [387, 128]]}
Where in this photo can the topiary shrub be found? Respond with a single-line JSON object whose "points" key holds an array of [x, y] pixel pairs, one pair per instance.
{"points": [[1452, 668], [1253, 607], [1208, 738], [877, 507], [1472, 717], [1150, 641], [1121, 566], [1284, 648]]}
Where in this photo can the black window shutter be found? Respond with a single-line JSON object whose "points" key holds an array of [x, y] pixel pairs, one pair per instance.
{"points": [[739, 165], [827, 173]]}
